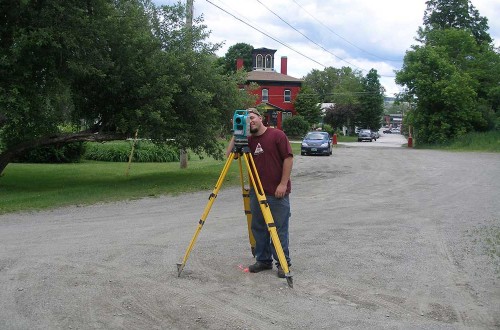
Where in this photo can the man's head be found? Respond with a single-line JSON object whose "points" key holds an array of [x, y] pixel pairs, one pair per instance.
{"points": [[255, 111], [256, 125]]}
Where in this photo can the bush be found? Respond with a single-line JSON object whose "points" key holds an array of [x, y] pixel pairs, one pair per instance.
{"points": [[295, 126], [329, 129], [64, 153], [119, 151]]}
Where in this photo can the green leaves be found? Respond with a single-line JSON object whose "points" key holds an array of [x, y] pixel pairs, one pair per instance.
{"points": [[111, 67], [452, 75], [308, 105]]}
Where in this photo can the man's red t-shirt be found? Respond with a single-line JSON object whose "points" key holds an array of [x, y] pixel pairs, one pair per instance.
{"points": [[269, 150]]}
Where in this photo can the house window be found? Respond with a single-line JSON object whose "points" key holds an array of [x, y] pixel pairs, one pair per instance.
{"points": [[287, 95], [265, 95], [269, 62], [259, 63]]}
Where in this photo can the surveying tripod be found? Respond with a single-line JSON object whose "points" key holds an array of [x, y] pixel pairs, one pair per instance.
{"points": [[242, 150]]}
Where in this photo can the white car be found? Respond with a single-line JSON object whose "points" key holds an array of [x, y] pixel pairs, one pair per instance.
{"points": [[395, 131]]}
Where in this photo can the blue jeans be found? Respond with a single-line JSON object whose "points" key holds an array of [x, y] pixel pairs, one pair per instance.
{"points": [[280, 209]]}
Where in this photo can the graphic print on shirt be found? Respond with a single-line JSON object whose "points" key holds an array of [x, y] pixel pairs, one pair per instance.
{"points": [[258, 150]]}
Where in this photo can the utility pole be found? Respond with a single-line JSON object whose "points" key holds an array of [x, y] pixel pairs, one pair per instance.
{"points": [[189, 24], [189, 13]]}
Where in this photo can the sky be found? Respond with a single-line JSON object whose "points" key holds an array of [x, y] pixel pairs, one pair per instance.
{"points": [[315, 34]]}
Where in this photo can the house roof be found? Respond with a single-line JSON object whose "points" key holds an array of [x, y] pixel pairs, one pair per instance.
{"points": [[270, 106], [271, 76]]}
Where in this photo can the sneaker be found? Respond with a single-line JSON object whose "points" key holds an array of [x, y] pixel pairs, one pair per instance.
{"points": [[281, 272], [259, 266]]}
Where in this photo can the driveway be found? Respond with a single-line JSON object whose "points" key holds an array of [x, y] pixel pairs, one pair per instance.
{"points": [[381, 238]]}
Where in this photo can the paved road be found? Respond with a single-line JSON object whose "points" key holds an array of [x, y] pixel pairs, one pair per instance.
{"points": [[385, 140], [381, 238]]}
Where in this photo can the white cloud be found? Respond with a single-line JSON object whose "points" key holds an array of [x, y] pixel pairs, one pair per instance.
{"points": [[365, 34]]}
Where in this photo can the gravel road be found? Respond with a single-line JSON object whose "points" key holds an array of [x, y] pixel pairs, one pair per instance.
{"points": [[382, 237]]}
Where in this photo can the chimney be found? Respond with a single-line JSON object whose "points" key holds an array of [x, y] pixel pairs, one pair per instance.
{"points": [[284, 63], [239, 63]]}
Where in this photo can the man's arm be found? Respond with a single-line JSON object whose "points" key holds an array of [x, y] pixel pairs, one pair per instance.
{"points": [[285, 176]]}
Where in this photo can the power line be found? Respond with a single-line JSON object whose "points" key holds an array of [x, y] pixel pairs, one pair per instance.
{"points": [[341, 37], [326, 50], [273, 38], [287, 46], [323, 48]]}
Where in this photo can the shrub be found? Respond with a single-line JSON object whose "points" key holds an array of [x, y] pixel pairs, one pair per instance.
{"points": [[64, 153], [295, 126], [329, 129], [119, 151]]}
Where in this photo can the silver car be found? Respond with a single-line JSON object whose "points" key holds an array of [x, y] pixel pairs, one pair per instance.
{"points": [[365, 135]]}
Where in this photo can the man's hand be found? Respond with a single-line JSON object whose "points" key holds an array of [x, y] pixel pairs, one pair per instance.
{"points": [[280, 191], [285, 176]]}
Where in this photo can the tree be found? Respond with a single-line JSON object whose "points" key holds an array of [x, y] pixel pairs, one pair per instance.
{"points": [[453, 75], [445, 106], [341, 115], [371, 101], [106, 69], [308, 105], [455, 14], [295, 126], [349, 86], [322, 83], [237, 51], [335, 85]]}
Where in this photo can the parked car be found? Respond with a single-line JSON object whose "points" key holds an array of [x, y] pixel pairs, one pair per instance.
{"points": [[395, 131], [365, 135], [316, 143], [387, 131]]}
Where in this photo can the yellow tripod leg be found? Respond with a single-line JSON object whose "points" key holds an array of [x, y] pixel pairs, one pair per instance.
{"points": [[246, 205], [211, 199], [268, 217]]}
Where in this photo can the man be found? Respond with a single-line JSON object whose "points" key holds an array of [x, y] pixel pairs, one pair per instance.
{"points": [[273, 157]]}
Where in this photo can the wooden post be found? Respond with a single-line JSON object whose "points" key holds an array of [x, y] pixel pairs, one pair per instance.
{"points": [[131, 153], [189, 24]]}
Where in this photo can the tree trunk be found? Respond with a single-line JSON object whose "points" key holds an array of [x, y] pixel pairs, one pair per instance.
{"points": [[5, 158], [184, 158], [63, 138]]}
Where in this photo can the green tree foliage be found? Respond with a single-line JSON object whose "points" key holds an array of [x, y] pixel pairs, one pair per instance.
{"points": [[109, 68], [454, 14], [295, 126], [453, 75], [236, 51], [371, 102], [349, 86], [322, 83], [342, 115], [343, 87], [66, 153], [308, 106], [335, 85]]}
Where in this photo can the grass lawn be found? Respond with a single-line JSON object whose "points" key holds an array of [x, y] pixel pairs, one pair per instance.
{"points": [[27, 187]]}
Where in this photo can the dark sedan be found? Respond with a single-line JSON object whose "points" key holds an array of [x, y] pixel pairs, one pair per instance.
{"points": [[366, 135], [316, 143]]}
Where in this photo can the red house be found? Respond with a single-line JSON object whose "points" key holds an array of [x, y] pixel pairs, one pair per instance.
{"points": [[276, 91]]}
